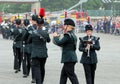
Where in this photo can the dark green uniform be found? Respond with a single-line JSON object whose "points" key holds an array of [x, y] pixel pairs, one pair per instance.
{"points": [[17, 45], [25, 36], [89, 62], [93, 56], [39, 38], [27, 64], [68, 44], [26, 51], [69, 57]]}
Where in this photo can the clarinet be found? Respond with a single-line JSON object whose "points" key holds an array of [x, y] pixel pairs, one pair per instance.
{"points": [[88, 51], [23, 52]]}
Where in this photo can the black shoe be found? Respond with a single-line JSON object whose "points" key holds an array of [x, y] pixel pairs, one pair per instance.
{"points": [[16, 71], [33, 81], [19, 70], [25, 76]]}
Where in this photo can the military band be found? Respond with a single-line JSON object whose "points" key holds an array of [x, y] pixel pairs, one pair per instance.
{"points": [[30, 49]]}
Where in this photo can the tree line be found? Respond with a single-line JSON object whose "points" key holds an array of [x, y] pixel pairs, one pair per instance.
{"points": [[52, 5]]}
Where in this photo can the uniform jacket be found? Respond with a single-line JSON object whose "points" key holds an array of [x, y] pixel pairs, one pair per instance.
{"points": [[95, 46], [25, 36], [38, 39], [68, 44], [17, 35]]}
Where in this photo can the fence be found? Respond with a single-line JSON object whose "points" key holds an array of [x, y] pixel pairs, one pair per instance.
{"points": [[99, 13]]}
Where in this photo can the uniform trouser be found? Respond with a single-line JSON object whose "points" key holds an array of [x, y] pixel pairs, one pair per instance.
{"points": [[39, 69], [26, 63], [14, 53], [32, 71], [68, 72], [17, 59], [89, 72]]}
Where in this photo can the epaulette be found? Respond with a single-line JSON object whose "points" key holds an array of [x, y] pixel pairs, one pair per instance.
{"points": [[30, 32], [68, 34], [81, 38], [12, 30], [96, 38], [20, 30]]}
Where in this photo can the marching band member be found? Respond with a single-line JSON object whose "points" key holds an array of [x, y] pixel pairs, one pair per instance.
{"points": [[69, 57], [88, 45]]}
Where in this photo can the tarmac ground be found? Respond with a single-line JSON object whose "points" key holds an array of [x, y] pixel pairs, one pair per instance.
{"points": [[108, 67]]}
